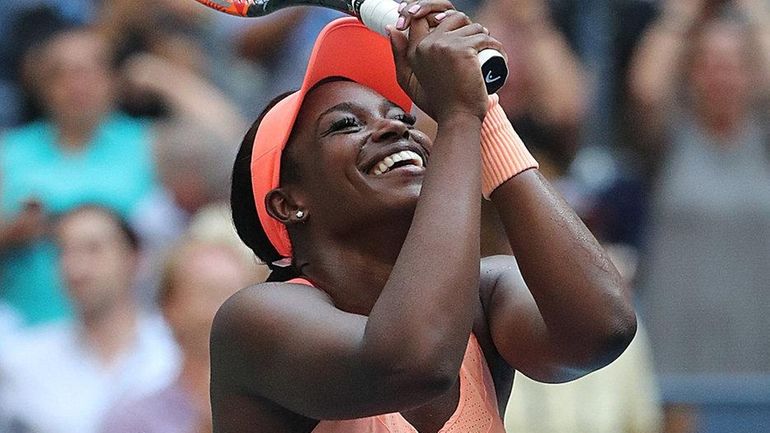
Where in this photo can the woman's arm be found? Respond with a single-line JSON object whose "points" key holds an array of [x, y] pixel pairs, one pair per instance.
{"points": [[570, 314]]}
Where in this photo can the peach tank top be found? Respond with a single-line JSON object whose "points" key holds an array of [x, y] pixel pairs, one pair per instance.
{"points": [[476, 411]]}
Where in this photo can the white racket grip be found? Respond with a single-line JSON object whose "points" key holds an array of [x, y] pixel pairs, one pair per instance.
{"points": [[376, 14]]}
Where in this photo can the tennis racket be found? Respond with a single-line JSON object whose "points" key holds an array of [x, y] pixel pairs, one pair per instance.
{"points": [[375, 14]]}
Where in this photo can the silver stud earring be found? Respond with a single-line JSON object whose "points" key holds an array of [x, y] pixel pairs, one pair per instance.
{"points": [[300, 214]]}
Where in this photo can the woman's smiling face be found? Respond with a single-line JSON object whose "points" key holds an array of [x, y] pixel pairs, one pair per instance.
{"points": [[357, 155]]}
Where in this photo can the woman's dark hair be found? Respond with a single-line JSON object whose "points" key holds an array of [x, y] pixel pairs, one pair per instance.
{"points": [[242, 203], [244, 208]]}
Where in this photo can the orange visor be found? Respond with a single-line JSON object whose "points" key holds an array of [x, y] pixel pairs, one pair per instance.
{"points": [[344, 48]]}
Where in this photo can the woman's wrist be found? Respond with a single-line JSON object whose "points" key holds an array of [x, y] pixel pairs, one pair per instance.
{"points": [[503, 153], [460, 116]]}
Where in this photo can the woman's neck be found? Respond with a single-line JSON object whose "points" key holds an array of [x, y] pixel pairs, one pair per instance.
{"points": [[353, 270]]}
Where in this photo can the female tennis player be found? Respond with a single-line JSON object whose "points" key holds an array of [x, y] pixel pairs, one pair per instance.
{"points": [[380, 316]]}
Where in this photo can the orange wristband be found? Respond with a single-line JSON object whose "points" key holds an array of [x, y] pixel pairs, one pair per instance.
{"points": [[503, 154]]}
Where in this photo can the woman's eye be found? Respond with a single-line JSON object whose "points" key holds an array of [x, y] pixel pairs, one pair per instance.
{"points": [[342, 124], [406, 118]]}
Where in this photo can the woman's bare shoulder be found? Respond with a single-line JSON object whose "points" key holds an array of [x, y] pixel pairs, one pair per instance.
{"points": [[252, 311]]}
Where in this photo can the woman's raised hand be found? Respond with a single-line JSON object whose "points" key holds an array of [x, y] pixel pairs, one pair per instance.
{"points": [[438, 66], [414, 10]]}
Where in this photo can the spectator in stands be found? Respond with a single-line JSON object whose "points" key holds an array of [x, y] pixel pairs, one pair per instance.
{"points": [[281, 43], [199, 274], [702, 89], [61, 378], [24, 23], [83, 151], [193, 165], [193, 148], [186, 34], [701, 81]]}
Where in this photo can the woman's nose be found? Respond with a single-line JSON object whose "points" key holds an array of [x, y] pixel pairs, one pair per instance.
{"points": [[390, 129]]}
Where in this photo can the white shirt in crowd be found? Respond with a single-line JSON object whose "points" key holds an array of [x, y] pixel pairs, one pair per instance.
{"points": [[51, 383]]}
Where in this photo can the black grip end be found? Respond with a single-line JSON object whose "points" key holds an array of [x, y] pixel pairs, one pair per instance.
{"points": [[495, 73]]}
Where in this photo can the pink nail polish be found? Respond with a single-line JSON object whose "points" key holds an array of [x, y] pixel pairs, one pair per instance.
{"points": [[401, 6], [440, 16], [414, 9], [400, 23]]}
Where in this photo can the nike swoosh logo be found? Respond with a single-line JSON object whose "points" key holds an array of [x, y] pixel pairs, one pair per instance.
{"points": [[489, 79]]}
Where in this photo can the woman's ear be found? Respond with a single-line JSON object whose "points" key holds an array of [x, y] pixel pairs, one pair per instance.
{"points": [[282, 206]]}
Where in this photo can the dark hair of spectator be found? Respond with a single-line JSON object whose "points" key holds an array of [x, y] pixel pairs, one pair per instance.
{"points": [[31, 30], [130, 235]]}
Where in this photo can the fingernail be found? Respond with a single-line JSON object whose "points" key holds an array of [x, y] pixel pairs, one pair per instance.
{"points": [[388, 29], [413, 9], [400, 23], [401, 6], [440, 16], [486, 30]]}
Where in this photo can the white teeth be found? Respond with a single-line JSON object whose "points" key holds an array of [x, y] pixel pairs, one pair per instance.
{"points": [[404, 155]]}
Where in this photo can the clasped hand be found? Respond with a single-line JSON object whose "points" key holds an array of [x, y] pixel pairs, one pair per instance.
{"points": [[436, 60]]}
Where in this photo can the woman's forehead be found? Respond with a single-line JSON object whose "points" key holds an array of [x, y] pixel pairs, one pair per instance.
{"points": [[342, 95]]}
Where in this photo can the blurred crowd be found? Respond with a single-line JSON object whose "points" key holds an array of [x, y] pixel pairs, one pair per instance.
{"points": [[120, 121]]}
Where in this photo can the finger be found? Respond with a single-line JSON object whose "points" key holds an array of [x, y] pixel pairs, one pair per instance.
{"points": [[482, 41], [453, 20], [418, 30], [435, 18], [434, 10], [404, 19], [469, 30], [400, 46], [423, 8]]}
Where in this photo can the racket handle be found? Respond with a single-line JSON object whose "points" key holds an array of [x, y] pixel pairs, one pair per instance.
{"points": [[376, 14]]}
